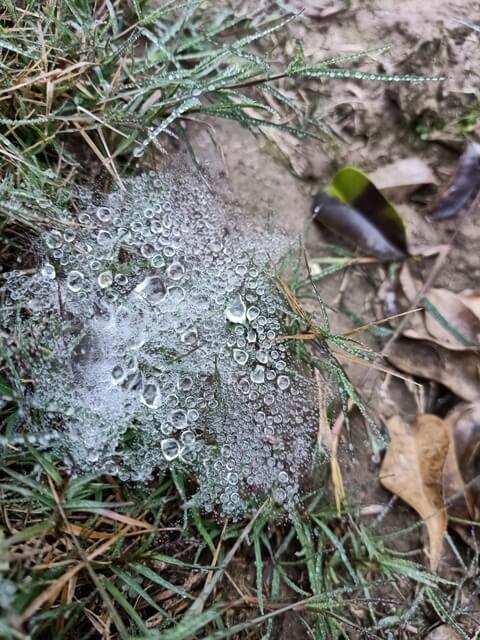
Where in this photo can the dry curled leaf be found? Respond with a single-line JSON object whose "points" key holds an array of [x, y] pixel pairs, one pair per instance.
{"points": [[459, 371], [451, 320], [447, 321], [412, 469], [399, 178], [457, 325], [443, 632], [471, 299], [461, 474], [319, 10], [290, 149]]}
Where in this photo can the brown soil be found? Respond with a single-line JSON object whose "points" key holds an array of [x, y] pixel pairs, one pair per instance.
{"points": [[379, 123]]}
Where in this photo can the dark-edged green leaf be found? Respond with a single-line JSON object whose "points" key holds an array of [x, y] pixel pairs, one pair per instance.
{"points": [[354, 208]]}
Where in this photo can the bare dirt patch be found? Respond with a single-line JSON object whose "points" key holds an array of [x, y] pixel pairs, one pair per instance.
{"points": [[374, 124]]}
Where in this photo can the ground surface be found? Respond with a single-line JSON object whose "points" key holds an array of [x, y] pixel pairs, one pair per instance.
{"points": [[379, 124], [369, 125]]}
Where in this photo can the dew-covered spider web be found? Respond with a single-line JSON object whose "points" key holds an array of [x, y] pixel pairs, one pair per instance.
{"points": [[153, 327]]}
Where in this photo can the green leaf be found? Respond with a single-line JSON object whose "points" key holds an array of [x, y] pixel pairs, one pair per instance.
{"points": [[353, 207], [154, 577], [123, 602], [298, 58]]}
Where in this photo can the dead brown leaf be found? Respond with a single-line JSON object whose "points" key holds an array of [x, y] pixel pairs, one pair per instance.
{"points": [[319, 11], [290, 149], [461, 474], [459, 371], [412, 469], [451, 306], [461, 311], [443, 632], [400, 178], [471, 299]]}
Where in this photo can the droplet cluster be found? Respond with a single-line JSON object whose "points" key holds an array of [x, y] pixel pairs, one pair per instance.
{"points": [[157, 327]]}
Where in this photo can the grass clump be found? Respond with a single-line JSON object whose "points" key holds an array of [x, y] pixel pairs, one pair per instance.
{"points": [[109, 82], [88, 557]]}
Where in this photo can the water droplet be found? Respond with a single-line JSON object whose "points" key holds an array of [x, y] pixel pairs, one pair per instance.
{"points": [[75, 280], [103, 214], [157, 261], [104, 238], [240, 356], [190, 337], [268, 399], [283, 477], [216, 246], [84, 218], [232, 478], [54, 239], [236, 310], [118, 374], [258, 374], [185, 383], [176, 271], [147, 250], [121, 279], [188, 438], [262, 356], [187, 454], [178, 418], [244, 386], [150, 395], [283, 382], [192, 415], [170, 449], [48, 271], [166, 429], [252, 313], [151, 289], [176, 294], [105, 279]]}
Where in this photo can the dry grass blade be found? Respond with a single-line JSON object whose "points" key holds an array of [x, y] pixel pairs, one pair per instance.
{"points": [[57, 75], [373, 365], [374, 323]]}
